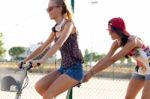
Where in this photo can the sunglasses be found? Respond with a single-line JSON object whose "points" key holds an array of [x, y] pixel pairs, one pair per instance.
{"points": [[49, 9]]}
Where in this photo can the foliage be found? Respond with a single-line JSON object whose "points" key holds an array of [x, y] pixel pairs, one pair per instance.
{"points": [[2, 50], [92, 56], [15, 52]]}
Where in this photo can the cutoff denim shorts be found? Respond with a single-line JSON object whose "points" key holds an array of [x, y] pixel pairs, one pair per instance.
{"points": [[138, 76], [74, 71]]}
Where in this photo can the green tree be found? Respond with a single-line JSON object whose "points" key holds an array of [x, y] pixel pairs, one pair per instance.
{"points": [[86, 56], [92, 56], [2, 50], [99, 56], [122, 60], [129, 60], [15, 52]]}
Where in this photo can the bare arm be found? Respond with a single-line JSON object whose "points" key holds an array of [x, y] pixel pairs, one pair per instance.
{"points": [[112, 50], [99, 66], [40, 49], [64, 35], [111, 59]]}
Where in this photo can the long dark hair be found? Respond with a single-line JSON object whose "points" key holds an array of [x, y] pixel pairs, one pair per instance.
{"points": [[124, 38]]}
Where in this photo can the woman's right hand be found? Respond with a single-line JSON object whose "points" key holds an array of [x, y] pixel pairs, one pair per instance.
{"points": [[87, 76]]}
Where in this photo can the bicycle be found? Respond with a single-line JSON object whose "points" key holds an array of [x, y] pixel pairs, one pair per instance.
{"points": [[70, 91], [10, 84]]}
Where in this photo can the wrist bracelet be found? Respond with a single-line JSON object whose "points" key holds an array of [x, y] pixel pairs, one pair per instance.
{"points": [[22, 62], [38, 64]]}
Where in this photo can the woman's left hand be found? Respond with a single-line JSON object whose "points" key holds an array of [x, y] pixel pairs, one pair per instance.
{"points": [[35, 63], [87, 76]]}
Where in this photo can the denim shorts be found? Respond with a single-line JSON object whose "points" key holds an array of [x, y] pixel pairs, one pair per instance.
{"points": [[140, 77], [74, 71]]}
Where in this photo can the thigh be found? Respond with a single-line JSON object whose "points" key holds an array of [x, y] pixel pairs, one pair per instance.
{"points": [[60, 85], [47, 80], [146, 90], [135, 85]]}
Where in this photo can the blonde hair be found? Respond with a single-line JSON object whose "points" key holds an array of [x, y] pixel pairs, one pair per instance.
{"points": [[66, 8]]}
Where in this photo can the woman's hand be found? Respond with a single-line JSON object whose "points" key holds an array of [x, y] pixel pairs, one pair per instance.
{"points": [[88, 75], [20, 64], [35, 63]]}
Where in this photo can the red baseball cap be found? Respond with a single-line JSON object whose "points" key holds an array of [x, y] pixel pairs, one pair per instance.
{"points": [[118, 23]]}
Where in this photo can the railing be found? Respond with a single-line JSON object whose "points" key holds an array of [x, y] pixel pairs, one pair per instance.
{"points": [[108, 84]]}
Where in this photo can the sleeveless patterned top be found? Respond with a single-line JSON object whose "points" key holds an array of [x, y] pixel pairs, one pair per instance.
{"points": [[141, 55], [142, 58], [70, 51]]}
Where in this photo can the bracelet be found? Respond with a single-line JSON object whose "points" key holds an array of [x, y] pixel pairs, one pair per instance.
{"points": [[38, 64], [22, 62]]}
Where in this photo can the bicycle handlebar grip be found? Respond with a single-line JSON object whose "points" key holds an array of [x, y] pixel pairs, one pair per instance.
{"points": [[30, 65], [21, 65]]}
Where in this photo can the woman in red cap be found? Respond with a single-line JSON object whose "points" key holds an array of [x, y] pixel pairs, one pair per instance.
{"points": [[130, 46]]}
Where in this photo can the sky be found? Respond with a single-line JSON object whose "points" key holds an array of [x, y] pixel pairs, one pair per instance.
{"points": [[26, 22]]}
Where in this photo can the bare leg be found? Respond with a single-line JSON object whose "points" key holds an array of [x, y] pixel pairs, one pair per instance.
{"points": [[134, 87], [42, 85], [146, 90], [60, 85]]}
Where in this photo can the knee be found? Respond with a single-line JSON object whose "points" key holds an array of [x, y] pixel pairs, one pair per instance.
{"points": [[38, 88], [144, 97], [129, 97], [49, 96]]}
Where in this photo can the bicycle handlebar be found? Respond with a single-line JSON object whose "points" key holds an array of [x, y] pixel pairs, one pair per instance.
{"points": [[25, 66]]}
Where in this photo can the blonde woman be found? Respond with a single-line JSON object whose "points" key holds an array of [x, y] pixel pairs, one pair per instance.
{"points": [[64, 33]]}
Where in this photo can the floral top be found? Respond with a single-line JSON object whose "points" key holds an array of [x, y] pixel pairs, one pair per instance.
{"points": [[141, 56], [70, 51]]}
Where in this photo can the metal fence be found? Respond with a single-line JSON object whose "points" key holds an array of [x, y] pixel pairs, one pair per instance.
{"points": [[109, 84]]}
